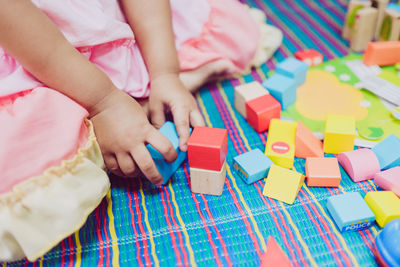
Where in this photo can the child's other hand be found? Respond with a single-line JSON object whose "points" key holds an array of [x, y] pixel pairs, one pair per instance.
{"points": [[168, 94], [123, 130]]}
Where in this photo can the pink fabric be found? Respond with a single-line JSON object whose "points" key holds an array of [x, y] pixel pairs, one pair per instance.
{"points": [[40, 128], [204, 31]]}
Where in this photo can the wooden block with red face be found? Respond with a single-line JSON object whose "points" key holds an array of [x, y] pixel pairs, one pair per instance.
{"points": [[261, 110], [207, 148]]}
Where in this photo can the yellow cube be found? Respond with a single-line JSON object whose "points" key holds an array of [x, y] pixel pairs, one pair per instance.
{"points": [[283, 184], [340, 132], [280, 142], [385, 205]]}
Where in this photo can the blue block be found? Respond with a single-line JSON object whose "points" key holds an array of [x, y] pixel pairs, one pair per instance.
{"points": [[388, 152], [350, 212], [282, 89], [387, 244], [168, 169], [252, 166], [293, 68]]}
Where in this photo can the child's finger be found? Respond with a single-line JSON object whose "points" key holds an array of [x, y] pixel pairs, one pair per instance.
{"points": [[112, 164], [126, 164], [162, 145], [196, 119], [146, 164], [181, 120], [157, 114]]}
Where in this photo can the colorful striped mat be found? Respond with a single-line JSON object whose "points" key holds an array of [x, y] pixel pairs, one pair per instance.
{"points": [[137, 224]]}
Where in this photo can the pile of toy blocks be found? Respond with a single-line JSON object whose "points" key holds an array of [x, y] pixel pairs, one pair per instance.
{"points": [[259, 104], [371, 20]]}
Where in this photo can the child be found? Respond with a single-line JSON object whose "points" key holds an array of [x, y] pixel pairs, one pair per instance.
{"points": [[64, 62]]}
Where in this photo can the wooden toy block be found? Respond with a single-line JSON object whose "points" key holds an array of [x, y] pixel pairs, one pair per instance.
{"points": [[388, 152], [389, 180], [322, 172], [294, 69], [350, 212], [207, 182], [363, 29], [261, 110], [385, 205], [274, 255], [168, 169], [380, 6], [252, 166], [339, 133], [280, 145], [382, 53], [390, 29], [283, 184], [352, 9], [307, 145], [310, 56], [246, 92], [207, 148], [282, 88], [359, 164]]}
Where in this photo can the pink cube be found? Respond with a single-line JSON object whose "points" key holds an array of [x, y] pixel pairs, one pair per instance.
{"points": [[360, 165], [389, 180]]}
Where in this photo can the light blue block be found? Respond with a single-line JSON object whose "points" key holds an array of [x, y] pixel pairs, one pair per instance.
{"points": [[350, 211], [293, 68], [282, 88], [394, 6], [168, 169], [388, 152], [252, 166]]}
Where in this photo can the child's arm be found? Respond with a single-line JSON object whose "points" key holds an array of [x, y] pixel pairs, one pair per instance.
{"points": [[152, 24], [121, 126]]}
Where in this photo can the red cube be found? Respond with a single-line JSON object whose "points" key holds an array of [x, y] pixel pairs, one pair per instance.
{"points": [[310, 56], [261, 110], [207, 148]]}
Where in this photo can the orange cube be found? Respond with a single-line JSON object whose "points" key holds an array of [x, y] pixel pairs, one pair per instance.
{"points": [[310, 56], [322, 172], [382, 53], [261, 110]]}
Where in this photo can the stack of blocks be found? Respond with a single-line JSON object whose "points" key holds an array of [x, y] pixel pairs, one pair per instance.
{"points": [[339, 133], [350, 212], [289, 74], [255, 103], [252, 166], [207, 149], [280, 145], [168, 169]]}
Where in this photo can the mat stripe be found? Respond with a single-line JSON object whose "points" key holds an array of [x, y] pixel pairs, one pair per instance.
{"points": [[147, 223], [171, 229], [133, 224]]}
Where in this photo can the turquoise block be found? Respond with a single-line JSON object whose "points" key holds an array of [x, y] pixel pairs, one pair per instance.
{"points": [[168, 169], [350, 212], [388, 152], [293, 68], [282, 89], [252, 166]]}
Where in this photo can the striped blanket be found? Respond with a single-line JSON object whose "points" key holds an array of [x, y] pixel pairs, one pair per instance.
{"points": [[138, 224]]}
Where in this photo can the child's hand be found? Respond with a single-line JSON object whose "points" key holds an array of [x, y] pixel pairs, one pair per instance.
{"points": [[168, 94], [123, 130]]}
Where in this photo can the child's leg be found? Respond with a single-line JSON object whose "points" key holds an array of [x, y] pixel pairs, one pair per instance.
{"points": [[51, 172]]}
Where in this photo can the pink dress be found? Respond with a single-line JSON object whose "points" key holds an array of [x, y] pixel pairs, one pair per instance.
{"points": [[51, 170]]}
